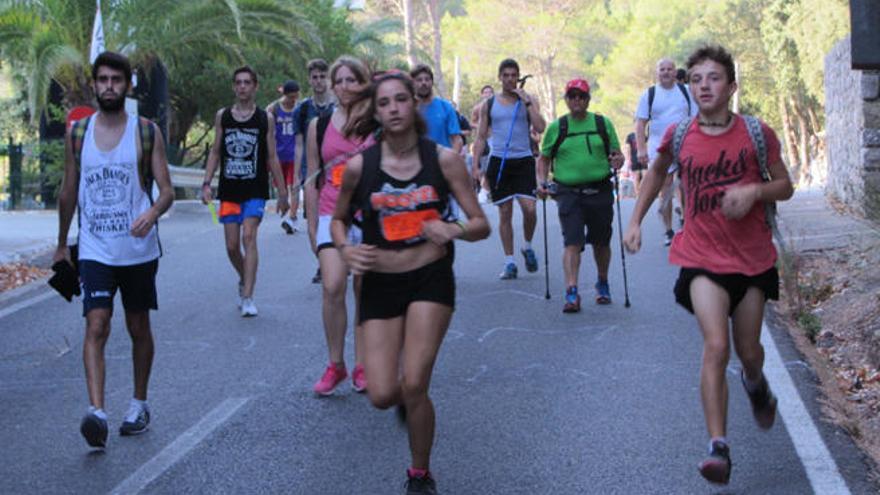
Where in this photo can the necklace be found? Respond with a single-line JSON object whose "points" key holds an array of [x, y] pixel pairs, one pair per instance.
{"points": [[405, 151], [717, 124]]}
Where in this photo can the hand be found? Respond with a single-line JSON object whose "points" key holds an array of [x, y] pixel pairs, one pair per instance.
{"points": [[632, 241], [207, 194], [738, 200], [440, 232], [475, 173], [61, 253], [142, 224], [360, 258], [541, 191], [523, 96], [282, 204], [643, 158], [616, 160]]}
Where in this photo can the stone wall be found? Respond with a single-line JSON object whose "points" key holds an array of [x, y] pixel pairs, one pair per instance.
{"points": [[852, 132]]}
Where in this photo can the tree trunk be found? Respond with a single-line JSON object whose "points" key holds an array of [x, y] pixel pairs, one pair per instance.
{"points": [[409, 32], [434, 13], [804, 141], [790, 141]]}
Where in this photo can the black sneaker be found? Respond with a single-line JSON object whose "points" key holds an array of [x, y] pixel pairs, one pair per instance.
{"points": [[763, 402], [716, 468], [668, 240], [421, 486], [94, 430], [317, 278], [137, 421]]}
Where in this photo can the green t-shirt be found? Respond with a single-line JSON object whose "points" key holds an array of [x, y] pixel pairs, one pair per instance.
{"points": [[581, 157]]}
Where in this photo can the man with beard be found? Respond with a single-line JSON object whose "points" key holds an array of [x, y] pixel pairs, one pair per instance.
{"points": [[440, 115], [111, 161], [244, 144]]}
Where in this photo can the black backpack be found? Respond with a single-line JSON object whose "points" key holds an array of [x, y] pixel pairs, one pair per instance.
{"points": [[653, 89], [601, 130]]}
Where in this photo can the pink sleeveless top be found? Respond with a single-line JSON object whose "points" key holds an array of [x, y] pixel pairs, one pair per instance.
{"points": [[336, 150]]}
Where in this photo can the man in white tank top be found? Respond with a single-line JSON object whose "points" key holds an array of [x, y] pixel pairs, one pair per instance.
{"points": [[118, 238]]}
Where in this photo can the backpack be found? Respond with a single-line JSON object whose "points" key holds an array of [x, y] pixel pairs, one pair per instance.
{"points": [[601, 130], [756, 134], [146, 135], [321, 129], [653, 89]]}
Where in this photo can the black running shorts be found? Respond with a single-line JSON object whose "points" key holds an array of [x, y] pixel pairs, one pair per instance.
{"points": [[517, 179], [735, 284], [137, 283], [388, 295]]}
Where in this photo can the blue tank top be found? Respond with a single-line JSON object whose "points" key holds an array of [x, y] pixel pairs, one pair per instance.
{"points": [[501, 117], [285, 142]]}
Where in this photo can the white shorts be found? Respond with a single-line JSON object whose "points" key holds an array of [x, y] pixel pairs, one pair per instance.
{"points": [[323, 239]]}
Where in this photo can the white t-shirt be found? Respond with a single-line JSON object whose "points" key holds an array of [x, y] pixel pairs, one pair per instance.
{"points": [[669, 107]]}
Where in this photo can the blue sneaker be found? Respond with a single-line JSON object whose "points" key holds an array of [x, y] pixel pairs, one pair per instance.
{"points": [[572, 301], [509, 272], [531, 259], [603, 292]]}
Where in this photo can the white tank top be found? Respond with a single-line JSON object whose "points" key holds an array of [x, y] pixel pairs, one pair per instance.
{"points": [[110, 199]]}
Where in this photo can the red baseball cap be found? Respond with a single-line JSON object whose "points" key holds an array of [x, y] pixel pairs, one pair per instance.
{"points": [[578, 84]]}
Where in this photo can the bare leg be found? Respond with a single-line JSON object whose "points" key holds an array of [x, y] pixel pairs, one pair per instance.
{"points": [[97, 332], [141, 350], [711, 305], [334, 277], [602, 255], [426, 325], [382, 342], [571, 265], [293, 194], [232, 232], [251, 255], [530, 217], [505, 226], [666, 198], [747, 319]]}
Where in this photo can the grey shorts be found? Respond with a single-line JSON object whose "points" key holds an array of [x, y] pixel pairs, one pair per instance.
{"points": [[585, 218]]}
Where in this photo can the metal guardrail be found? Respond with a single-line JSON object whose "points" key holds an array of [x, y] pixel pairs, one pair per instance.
{"points": [[189, 177]]}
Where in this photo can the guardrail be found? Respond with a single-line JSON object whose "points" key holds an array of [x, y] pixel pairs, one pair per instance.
{"points": [[189, 177]]}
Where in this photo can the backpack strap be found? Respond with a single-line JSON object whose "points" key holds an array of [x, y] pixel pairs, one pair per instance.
{"points": [[370, 163], [321, 129], [602, 130], [489, 103], [678, 140], [652, 91], [77, 135], [563, 133], [147, 136], [756, 134], [303, 115], [687, 96]]}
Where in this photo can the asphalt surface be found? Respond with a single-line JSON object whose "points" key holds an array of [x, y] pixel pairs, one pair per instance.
{"points": [[528, 400]]}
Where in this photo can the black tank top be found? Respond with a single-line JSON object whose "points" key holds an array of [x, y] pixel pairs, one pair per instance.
{"points": [[394, 210], [244, 170]]}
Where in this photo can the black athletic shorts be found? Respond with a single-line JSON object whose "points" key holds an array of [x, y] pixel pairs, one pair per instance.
{"points": [[388, 295], [517, 178], [137, 283], [591, 207], [735, 284]]}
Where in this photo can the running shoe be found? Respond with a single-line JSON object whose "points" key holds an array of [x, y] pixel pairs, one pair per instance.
{"points": [[136, 421], [603, 292], [509, 272], [358, 379], [289, 225], [420, 485], [332, 377], [248, 308], [531, 260], [94, 430], [667, 241], [572, 301], [317, 278], [763, 402], [716, 468]]}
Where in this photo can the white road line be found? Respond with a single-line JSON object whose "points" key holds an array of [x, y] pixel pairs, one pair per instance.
{"points": [[24, 304], [178, 448], [817, 461]]}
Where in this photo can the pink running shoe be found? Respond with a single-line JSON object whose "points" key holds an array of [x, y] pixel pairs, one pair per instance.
{"points": [[330, 379], [358, 379]]}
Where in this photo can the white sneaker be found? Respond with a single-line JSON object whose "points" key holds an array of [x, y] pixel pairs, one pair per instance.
{"points": [[247, 307], [289, 225]]}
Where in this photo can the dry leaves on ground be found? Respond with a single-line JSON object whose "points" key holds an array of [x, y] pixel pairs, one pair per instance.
{"points": [[14, 275]]}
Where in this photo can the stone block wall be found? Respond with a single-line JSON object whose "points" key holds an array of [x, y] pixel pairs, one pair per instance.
{"points": [[852, 132]]}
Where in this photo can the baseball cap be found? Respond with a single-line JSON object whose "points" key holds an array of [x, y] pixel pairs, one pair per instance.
{"points": [[290, 87], [579, 84]]}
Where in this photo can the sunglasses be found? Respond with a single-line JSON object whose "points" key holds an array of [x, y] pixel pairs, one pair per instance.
{"points": [[577, 95]]}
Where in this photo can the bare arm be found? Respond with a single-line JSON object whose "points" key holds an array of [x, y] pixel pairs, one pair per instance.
{"points": [[311, 188], [362, 257], [457, 143], [480, 141], [159, 166], [213, 159], [542, 169], [67, 199], [738, 200], [281, 204], [538, 122], [641, 141], [652, 182]]}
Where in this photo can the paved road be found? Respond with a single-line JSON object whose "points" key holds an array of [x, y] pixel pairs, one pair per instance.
{"points": [[529, 401]]}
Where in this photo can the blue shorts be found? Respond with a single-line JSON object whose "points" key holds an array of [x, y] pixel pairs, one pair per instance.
{"points": [[137, 283], [231, 212]]}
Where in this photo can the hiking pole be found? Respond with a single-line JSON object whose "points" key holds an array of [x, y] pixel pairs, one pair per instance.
{"points": [[546, 253], [620, 235]]}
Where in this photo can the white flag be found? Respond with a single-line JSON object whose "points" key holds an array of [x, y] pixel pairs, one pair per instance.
{"points": [[97, 35]]}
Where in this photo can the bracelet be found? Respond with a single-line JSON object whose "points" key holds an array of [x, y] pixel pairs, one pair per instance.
{"points": [[206, 183], [463, 227]]}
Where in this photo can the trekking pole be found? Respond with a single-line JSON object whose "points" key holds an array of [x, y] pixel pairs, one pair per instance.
{"points": [[620, 235], [546, 253]]}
